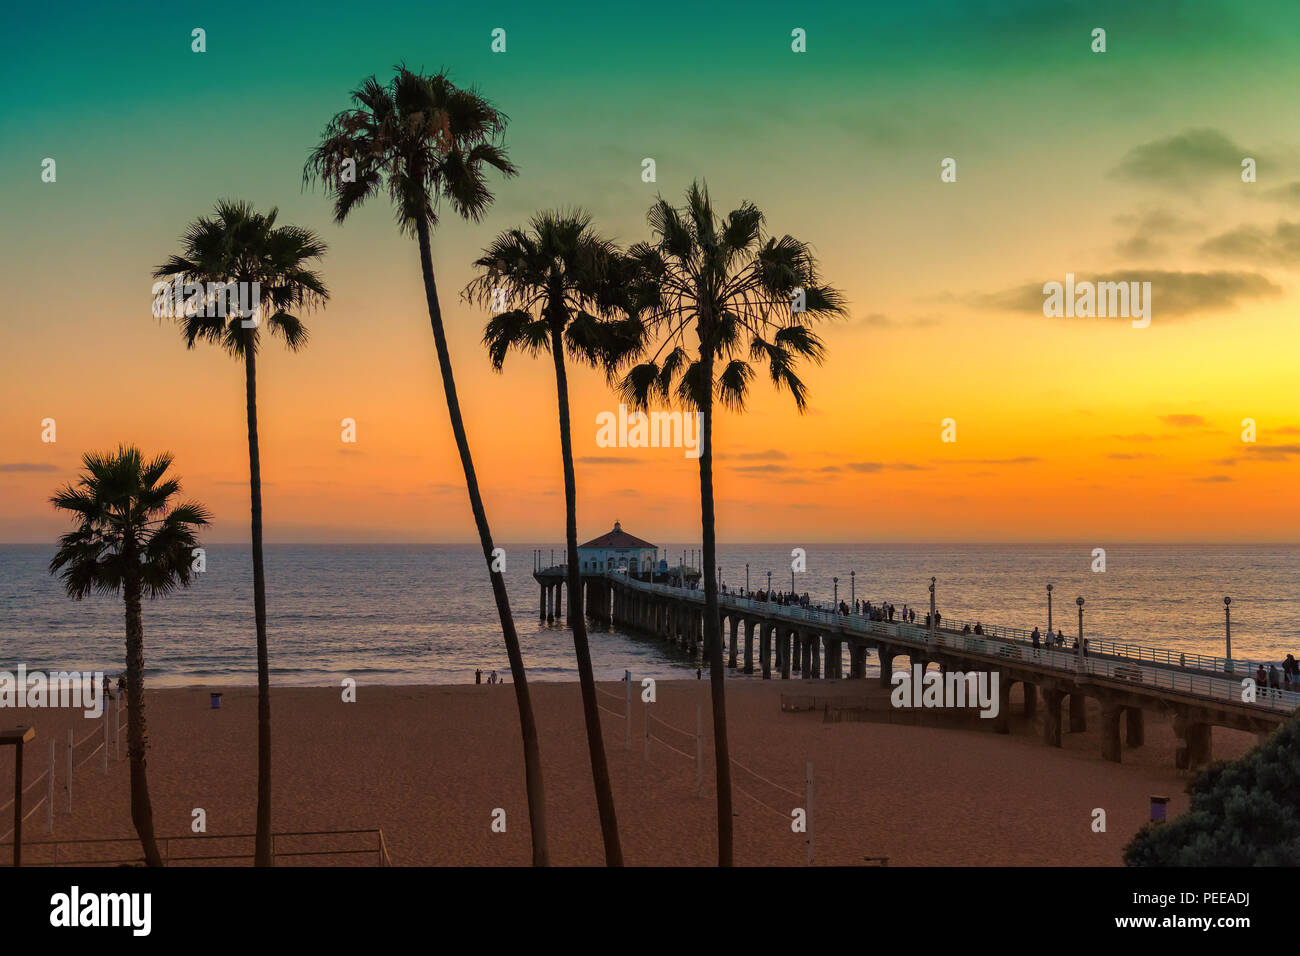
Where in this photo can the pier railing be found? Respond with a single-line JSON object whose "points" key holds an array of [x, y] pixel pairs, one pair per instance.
{"points": [[1018, 635], [1172, 670]]}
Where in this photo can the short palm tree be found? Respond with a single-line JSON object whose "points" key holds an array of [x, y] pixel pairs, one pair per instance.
{"points": [[240, 245], [426, 143], [748, 299], [547, 283], [129, 539]]}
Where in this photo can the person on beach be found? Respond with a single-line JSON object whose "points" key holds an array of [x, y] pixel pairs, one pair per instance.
{"points": [[478, 675]]}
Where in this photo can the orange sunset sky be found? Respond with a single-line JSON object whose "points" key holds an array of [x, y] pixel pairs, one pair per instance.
{"points": [[1126, 163]]}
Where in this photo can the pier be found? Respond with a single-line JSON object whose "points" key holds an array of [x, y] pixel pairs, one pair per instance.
{"points": [[782, 641]]}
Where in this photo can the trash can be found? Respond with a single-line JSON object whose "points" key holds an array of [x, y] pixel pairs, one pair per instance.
{"points": [[1158, 809], [216, 701]]}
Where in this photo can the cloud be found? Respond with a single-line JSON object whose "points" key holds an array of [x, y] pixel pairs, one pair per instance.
{"points": [[1184, 421], [1173, 294], [1263, 453], [1019, 460], [1281, 245], [1214, 478], [25, 466], [871, 467], [1150, 227], [1289, 194], [604, 460], [1139, 436], [1184, 160], [1125, 456], [760, 469], [879, 320], [770, 454]]}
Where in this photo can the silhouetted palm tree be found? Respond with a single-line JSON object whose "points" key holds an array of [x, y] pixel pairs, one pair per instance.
{"points": [[129, 540], [740, 293], [239, 245], [425, 141], [546, 283]]}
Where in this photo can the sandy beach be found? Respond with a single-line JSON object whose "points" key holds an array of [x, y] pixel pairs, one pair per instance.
{"points": [[430, 764]]}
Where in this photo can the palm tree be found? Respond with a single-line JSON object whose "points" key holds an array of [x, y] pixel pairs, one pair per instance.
{"points": [[272, 264], [546, 283], [425, 141], [128, 539], [726, 281]]}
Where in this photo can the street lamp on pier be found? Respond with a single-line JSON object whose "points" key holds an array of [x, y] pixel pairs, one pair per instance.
{"points": [[1049, 614], [746, 579], [1079, 651], [932, 610], [1227, 630], [853, 591], [837, 594]]}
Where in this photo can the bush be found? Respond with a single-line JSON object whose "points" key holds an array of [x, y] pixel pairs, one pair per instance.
{"points": [[1243, 813]]}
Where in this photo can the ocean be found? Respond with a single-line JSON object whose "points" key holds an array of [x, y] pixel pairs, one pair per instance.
{"points": [[423, 614]]}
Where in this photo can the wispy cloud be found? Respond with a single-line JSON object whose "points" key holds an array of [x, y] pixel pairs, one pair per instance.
{"points": [[604, 460], [1173, 294], [26, 466], [1281, 245]]}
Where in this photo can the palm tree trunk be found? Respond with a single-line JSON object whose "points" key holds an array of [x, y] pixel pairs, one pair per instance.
{"points": [[590, 708], [527, 726], [712, 621], [262, 842], [136, 739]]}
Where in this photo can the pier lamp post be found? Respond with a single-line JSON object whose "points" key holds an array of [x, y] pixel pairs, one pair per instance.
{"points": [[932, 620], [746, 579], [837, 594], [16, 738], [853, 591], [1049, 614], [1079, 652], [1227, 631], [792, 579], [769, 585]]}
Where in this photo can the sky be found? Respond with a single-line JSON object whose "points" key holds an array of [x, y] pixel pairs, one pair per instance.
{"points": [[1122, 164]]}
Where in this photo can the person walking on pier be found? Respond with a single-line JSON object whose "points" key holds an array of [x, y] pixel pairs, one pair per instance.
{"points": [[1291, 672], [1034, 638]]}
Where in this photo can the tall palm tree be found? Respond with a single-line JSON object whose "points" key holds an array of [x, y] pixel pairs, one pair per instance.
{"points": [[273, 264], [426, 142], [128, 539], [727, 282], [546, 284]]}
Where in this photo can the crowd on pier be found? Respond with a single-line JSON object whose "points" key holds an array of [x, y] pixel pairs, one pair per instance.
{"points": [[1283, 675]]}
